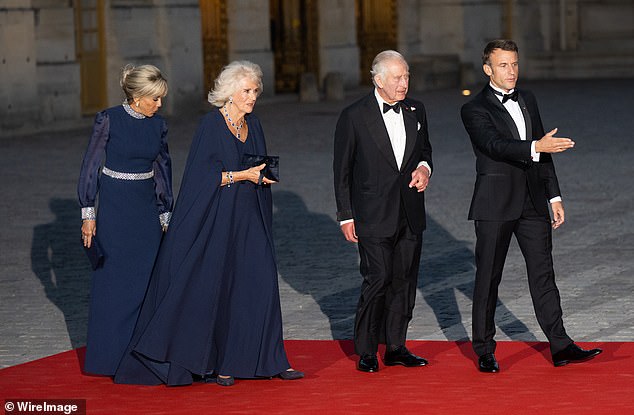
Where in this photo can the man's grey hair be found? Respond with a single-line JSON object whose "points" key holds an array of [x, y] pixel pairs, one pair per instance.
{"points": [[379, 64]]}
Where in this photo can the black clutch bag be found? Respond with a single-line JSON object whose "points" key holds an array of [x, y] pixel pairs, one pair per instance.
{"points": [[272, 169], [95, 253]]}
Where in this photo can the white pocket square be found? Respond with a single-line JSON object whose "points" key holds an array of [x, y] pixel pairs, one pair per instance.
{"points": [[418, 127]]}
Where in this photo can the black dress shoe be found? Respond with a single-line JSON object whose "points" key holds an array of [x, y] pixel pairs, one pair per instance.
{"points": [[225, 381], [574, 354], [290, 374], [402, 356], [368, 363], [488, 364]]}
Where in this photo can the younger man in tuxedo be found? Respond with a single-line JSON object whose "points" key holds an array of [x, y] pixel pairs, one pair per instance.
{"points": [[515, 182], [382, 164]]}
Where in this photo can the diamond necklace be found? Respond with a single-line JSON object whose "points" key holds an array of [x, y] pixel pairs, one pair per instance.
{"points": [[237, 127]]}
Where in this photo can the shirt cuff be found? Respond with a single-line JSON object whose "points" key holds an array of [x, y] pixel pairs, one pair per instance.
{"points": [[534, 154], [88, 213], [343, 222], [424, 163], [555, 199]]}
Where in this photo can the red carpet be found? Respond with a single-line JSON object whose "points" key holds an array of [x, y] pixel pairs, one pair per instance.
{"points": [[451, 384]]}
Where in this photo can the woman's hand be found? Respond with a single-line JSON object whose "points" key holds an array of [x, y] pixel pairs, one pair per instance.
{"points": [[253, 175], [88, 230]]}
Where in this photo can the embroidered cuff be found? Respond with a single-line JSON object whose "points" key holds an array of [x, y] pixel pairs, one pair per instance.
{"points": [[164, 218], [88, 213]]}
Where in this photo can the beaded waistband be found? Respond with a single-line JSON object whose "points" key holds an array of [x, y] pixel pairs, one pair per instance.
{"points": [[127, 176]]}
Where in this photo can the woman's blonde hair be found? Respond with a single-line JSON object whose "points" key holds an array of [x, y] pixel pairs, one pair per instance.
{"points": [[228, 82], [142, 81]]}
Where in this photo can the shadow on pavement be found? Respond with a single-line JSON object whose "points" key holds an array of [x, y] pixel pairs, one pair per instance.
{"points": [[448, 268], [309, 246], [59, 262]]}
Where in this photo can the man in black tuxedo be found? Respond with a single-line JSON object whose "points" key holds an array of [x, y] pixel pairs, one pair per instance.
{"points": [[382, 164], [515, 182]]}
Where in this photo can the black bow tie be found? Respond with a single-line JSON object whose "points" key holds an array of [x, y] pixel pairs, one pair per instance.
{"points": [[512, 95], [396, 107]]}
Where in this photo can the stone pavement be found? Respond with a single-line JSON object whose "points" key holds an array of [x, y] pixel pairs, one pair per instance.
{"points": [[44, 277]]}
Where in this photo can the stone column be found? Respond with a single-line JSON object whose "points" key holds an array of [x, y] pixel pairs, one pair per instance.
{"points": [[18, 91], [58, 75], [338, 49], [164, 33], [250, 37]]}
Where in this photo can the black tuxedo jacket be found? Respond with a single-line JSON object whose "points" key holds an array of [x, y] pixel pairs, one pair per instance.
{"points": [[368, 184], [503, 161]]}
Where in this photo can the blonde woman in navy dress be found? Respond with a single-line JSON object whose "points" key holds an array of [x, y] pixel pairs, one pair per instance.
{"points": [[128, 165]]}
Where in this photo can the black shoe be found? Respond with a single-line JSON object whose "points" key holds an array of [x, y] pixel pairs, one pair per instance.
{"points": [[488, 364], [225, 381], [368, 363], [574, 354], [290, 374], [402, 356]]}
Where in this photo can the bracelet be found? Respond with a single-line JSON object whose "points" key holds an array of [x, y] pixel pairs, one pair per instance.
{"points": [[230, 178]]}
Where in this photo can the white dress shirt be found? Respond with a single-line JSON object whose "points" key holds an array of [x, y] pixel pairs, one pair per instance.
{"points": [[396, 131]]}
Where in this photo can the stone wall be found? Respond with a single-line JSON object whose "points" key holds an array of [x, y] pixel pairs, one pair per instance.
{"points": [[250, 38], [443, 38], [338, 49], [166, 35], [18, 89], [57, 69]]}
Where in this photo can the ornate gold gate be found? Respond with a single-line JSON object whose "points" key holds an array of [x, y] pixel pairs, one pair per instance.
{"points": [[294, 39], [376, 31], [213, 14], [91, 54]]}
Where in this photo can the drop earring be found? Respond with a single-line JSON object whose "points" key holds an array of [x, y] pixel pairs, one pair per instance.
{"points": [[137, 104]]}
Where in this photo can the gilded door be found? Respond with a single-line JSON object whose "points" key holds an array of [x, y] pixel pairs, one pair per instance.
{"points": [[294, 39], [91, 54], [213, 14], [376, 31]]}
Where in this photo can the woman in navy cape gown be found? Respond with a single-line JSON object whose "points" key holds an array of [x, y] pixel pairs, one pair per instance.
{"points": [[135, 201], [212, 306]]}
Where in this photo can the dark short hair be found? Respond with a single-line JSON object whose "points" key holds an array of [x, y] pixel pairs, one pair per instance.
{"points": [[504, 44]]}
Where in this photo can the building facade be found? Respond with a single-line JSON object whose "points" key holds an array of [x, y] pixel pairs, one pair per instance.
{"points": [[61, 59]]}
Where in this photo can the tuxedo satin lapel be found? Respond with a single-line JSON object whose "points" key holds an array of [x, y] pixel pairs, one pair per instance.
{"points": [[527, 117], [503, 113], [411, 132], [378, 131]]}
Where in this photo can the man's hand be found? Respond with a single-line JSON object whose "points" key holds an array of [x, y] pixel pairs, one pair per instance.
{"points": [[551, 144], [349, 232], [420, 179], [558, 214]]}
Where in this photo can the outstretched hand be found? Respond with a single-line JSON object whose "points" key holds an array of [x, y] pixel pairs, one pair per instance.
{"points": [[551, 144]]}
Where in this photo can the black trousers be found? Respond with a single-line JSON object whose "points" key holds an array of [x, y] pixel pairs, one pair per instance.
{"points": [[389, 267], [534, 236]]}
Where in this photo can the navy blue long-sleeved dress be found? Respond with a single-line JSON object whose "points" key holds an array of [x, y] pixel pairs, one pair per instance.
{"points": [[131, 208], [213, 300]]}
